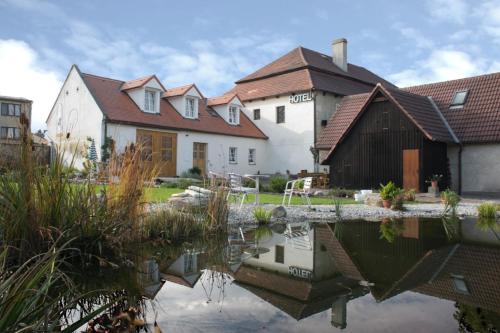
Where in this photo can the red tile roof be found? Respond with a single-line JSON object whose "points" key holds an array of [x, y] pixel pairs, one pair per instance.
{"points": [[220, 100], [302, 69], [180, 91], [137, 83], [118, 107], [479, 120]]}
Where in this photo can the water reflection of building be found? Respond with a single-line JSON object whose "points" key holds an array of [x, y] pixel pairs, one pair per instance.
{"points": [[464, 269], [184, 270], [299, 273]]}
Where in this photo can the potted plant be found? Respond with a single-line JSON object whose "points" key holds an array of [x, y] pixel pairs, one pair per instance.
{"points": [[435, 180], [388, 192]]}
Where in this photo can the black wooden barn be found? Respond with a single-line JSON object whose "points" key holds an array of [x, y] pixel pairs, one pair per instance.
{"points": [[388, 135]]}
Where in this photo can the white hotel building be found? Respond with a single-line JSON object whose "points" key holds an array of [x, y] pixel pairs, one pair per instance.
{"points": [[269, 122]]}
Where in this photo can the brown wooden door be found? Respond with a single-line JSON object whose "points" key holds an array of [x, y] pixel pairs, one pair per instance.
{"points": [[411, 169], [200, 156], [159, 151]]}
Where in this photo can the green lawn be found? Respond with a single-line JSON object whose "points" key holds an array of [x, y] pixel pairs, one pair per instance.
{"points": [[276, 199], [156, 194], [161, 194]]}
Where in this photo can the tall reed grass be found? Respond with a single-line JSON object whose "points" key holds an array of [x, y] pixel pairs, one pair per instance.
{"points": [[39, 204]]}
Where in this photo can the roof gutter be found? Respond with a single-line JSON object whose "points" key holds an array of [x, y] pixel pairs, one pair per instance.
{"points": [[455, 138]]}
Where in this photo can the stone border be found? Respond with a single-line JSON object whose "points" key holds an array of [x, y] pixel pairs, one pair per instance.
{"points": [[350, 211]]}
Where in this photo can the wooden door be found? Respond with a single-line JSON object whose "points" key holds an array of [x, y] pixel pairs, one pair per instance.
{"points": [[411, 169], [159, 151], [200, 156]]}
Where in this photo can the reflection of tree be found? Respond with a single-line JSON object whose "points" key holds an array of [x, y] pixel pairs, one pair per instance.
{"points": [[263, 232], [474, 319], [488, 223], [451, 226], [390, 229]]}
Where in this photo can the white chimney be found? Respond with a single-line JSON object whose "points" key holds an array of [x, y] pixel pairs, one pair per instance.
{"points": [[339, 53]]}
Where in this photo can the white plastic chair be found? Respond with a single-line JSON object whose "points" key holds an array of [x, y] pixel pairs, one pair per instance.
{"points": [[237, 189], [304, 192]]}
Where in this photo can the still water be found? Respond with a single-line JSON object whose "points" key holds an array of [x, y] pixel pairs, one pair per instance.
{"points": [[411, 275]]}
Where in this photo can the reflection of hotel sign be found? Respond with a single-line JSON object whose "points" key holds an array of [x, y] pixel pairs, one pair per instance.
{"points": [[300, 98], [300, 272]]}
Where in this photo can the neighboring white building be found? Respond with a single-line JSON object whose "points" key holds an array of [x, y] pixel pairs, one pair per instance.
{"points": [[292, 98], [179, 127]]}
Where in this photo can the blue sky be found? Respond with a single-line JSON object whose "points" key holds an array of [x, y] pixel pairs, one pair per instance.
{"points": [[213, 43]]}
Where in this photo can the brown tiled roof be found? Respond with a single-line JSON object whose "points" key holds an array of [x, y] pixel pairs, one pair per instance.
{"points": [[341, 120], [479, 266], [118, 107], [299, 80], [418, 108], [180, 91], [137, 83], [220, 100], [479, 120], [303, 69]]}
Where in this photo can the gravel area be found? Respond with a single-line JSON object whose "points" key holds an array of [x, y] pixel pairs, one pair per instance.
{"points": [[327, 212]]}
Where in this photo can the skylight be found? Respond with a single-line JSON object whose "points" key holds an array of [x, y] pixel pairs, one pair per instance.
{"points": [[459, 99]]}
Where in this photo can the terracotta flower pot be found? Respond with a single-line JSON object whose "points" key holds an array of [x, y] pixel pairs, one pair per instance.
{"points": [[387, 203]]}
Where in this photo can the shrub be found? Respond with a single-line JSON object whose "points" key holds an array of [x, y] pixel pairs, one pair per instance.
{"points": [[389, 191], [247, 182], [410, 195], [451, 200], [487, 210], [277, 184], [189, 174], [195, 171], [342, 193], [170, 185], [184, 183], [262, 215], [170, 224]]}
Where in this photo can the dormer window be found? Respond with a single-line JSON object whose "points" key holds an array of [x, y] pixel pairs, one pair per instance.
{"points": [[234, 115], [191, 108], [459, 99], [150, 101]]}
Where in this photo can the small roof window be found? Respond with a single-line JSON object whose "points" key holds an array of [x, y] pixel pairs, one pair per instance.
{"points": [[460, 284], [459, 99]]}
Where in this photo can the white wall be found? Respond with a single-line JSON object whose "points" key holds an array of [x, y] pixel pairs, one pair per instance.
{"points": [[294, 255], [217, 149], [179, 102], [289, 142], [138, 95], [79, 116], [480, 168]]}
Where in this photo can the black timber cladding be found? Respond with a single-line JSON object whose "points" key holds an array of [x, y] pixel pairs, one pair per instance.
{"points": [[372, 151]]}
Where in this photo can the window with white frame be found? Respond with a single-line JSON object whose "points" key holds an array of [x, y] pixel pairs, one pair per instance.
{"points": [[233, 155], [150, 101], [191, 108], [251, 156], [234, 117]]}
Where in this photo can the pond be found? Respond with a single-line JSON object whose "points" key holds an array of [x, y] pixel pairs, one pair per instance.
{"points": [[416, 275]]}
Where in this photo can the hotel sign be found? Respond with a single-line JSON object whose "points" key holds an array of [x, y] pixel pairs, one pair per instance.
{"points": [[300, 272], [300, 98]]}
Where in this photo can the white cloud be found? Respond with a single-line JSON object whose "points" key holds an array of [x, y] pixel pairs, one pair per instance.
{"points": [[213, 65], [454, 11], [23, 76], [417, 39], [441, 65], [489, 15]]}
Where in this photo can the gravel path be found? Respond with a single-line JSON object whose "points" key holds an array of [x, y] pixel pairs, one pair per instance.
{"points": [[327, 212]]}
